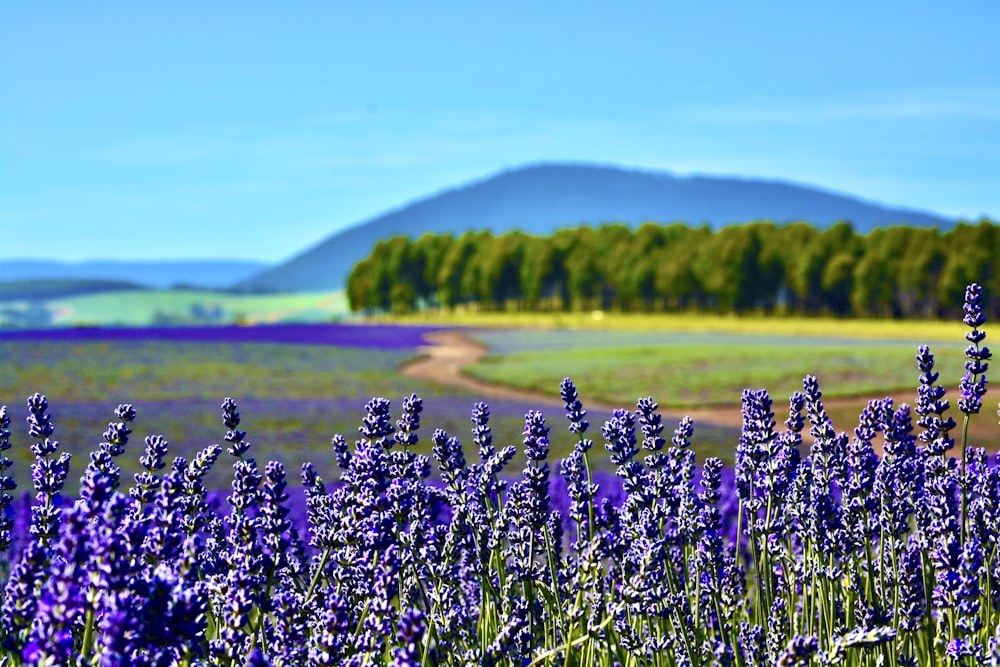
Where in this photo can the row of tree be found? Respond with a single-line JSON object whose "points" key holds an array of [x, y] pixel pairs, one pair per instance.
{"points": [[761, 266]]}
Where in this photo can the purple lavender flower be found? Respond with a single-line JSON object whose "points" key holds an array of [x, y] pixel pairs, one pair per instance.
{"points": [[931, 406], [828, 445], [288, 631], [234, 597], [147, 482], [19, 601], [195, 509], [39, 421], [799, 652], [7, 482], [450, 457], [581, 492], [257, 659], [752, 642], [651, 425], [482, 435], [60, 604], [960, 650], [619, 432], [409, 422], [969, 594], [311, 481], [752, 450], [231, 419], [377, 425], [277, 531], [536, 436], [48, 475], [102, 476], [575, 413], [341, 451], [411, 631], [329, 634], [973, 383], [947, 560], [860, 504]]}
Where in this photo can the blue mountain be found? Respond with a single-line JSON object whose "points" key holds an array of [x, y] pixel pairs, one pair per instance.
{"points": [[210, 274], [542, 198]]}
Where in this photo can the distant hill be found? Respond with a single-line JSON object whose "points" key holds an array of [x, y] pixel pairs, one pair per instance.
{"points": [[212, 274], [540, 199], [44, 289]]}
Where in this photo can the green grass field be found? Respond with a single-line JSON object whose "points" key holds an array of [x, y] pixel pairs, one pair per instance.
{"points": [[620, 357], [687, 376], [707, 374], [921, 330], [143, 307]]}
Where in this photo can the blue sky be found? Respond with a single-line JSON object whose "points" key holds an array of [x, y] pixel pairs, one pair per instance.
{"points": [[253, 130]]}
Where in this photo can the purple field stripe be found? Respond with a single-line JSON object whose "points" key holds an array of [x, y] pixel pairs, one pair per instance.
{"points": [[386, 337]]}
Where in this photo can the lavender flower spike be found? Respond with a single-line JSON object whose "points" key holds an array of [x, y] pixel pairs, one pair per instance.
{"points": [[575, 413], [7, 482], [973, 383]]}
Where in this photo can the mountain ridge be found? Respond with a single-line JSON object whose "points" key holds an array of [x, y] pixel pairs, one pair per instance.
{"points": [[542, 197], [158, 274]]}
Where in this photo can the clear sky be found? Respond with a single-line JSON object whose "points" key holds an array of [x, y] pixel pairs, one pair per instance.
{"points": [[253, 130]]}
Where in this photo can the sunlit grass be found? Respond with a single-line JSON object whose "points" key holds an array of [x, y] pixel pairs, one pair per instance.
{"points": [[703, 374], [139, 307], [917, 330]]}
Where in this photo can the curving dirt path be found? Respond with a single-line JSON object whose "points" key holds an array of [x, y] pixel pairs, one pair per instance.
{"points": [[450, 351]]}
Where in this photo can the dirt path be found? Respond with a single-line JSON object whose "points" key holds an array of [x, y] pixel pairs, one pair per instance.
{"points": [[450, 351]]}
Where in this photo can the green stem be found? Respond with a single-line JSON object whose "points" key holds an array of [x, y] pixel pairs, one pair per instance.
{"points": [[568, 645], [88, 635], [315, 579], [965, 499]]}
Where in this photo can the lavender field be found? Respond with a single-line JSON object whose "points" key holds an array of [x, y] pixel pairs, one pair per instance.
{"points": [[298, 384], [400, 545]]}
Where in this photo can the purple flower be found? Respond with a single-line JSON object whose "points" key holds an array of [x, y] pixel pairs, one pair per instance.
{"points": [[973, 383], [574, 408], [482, 435], [61, 601], [19, 602], [581, 492], [341, 451], [48, 475], [799, 652], [329, 634], [147, 482], [377, 425], [450, 457], [931, 406], [960, 649], [536, 436], [39, 422], [752, 640], [619, 434], [7, 482], [411, 631], [753, 448], [969, 593], [409, 422], [277, 531], [231, 419]]}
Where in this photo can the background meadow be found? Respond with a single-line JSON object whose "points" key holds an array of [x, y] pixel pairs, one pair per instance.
{"points": [[298, 385]]}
